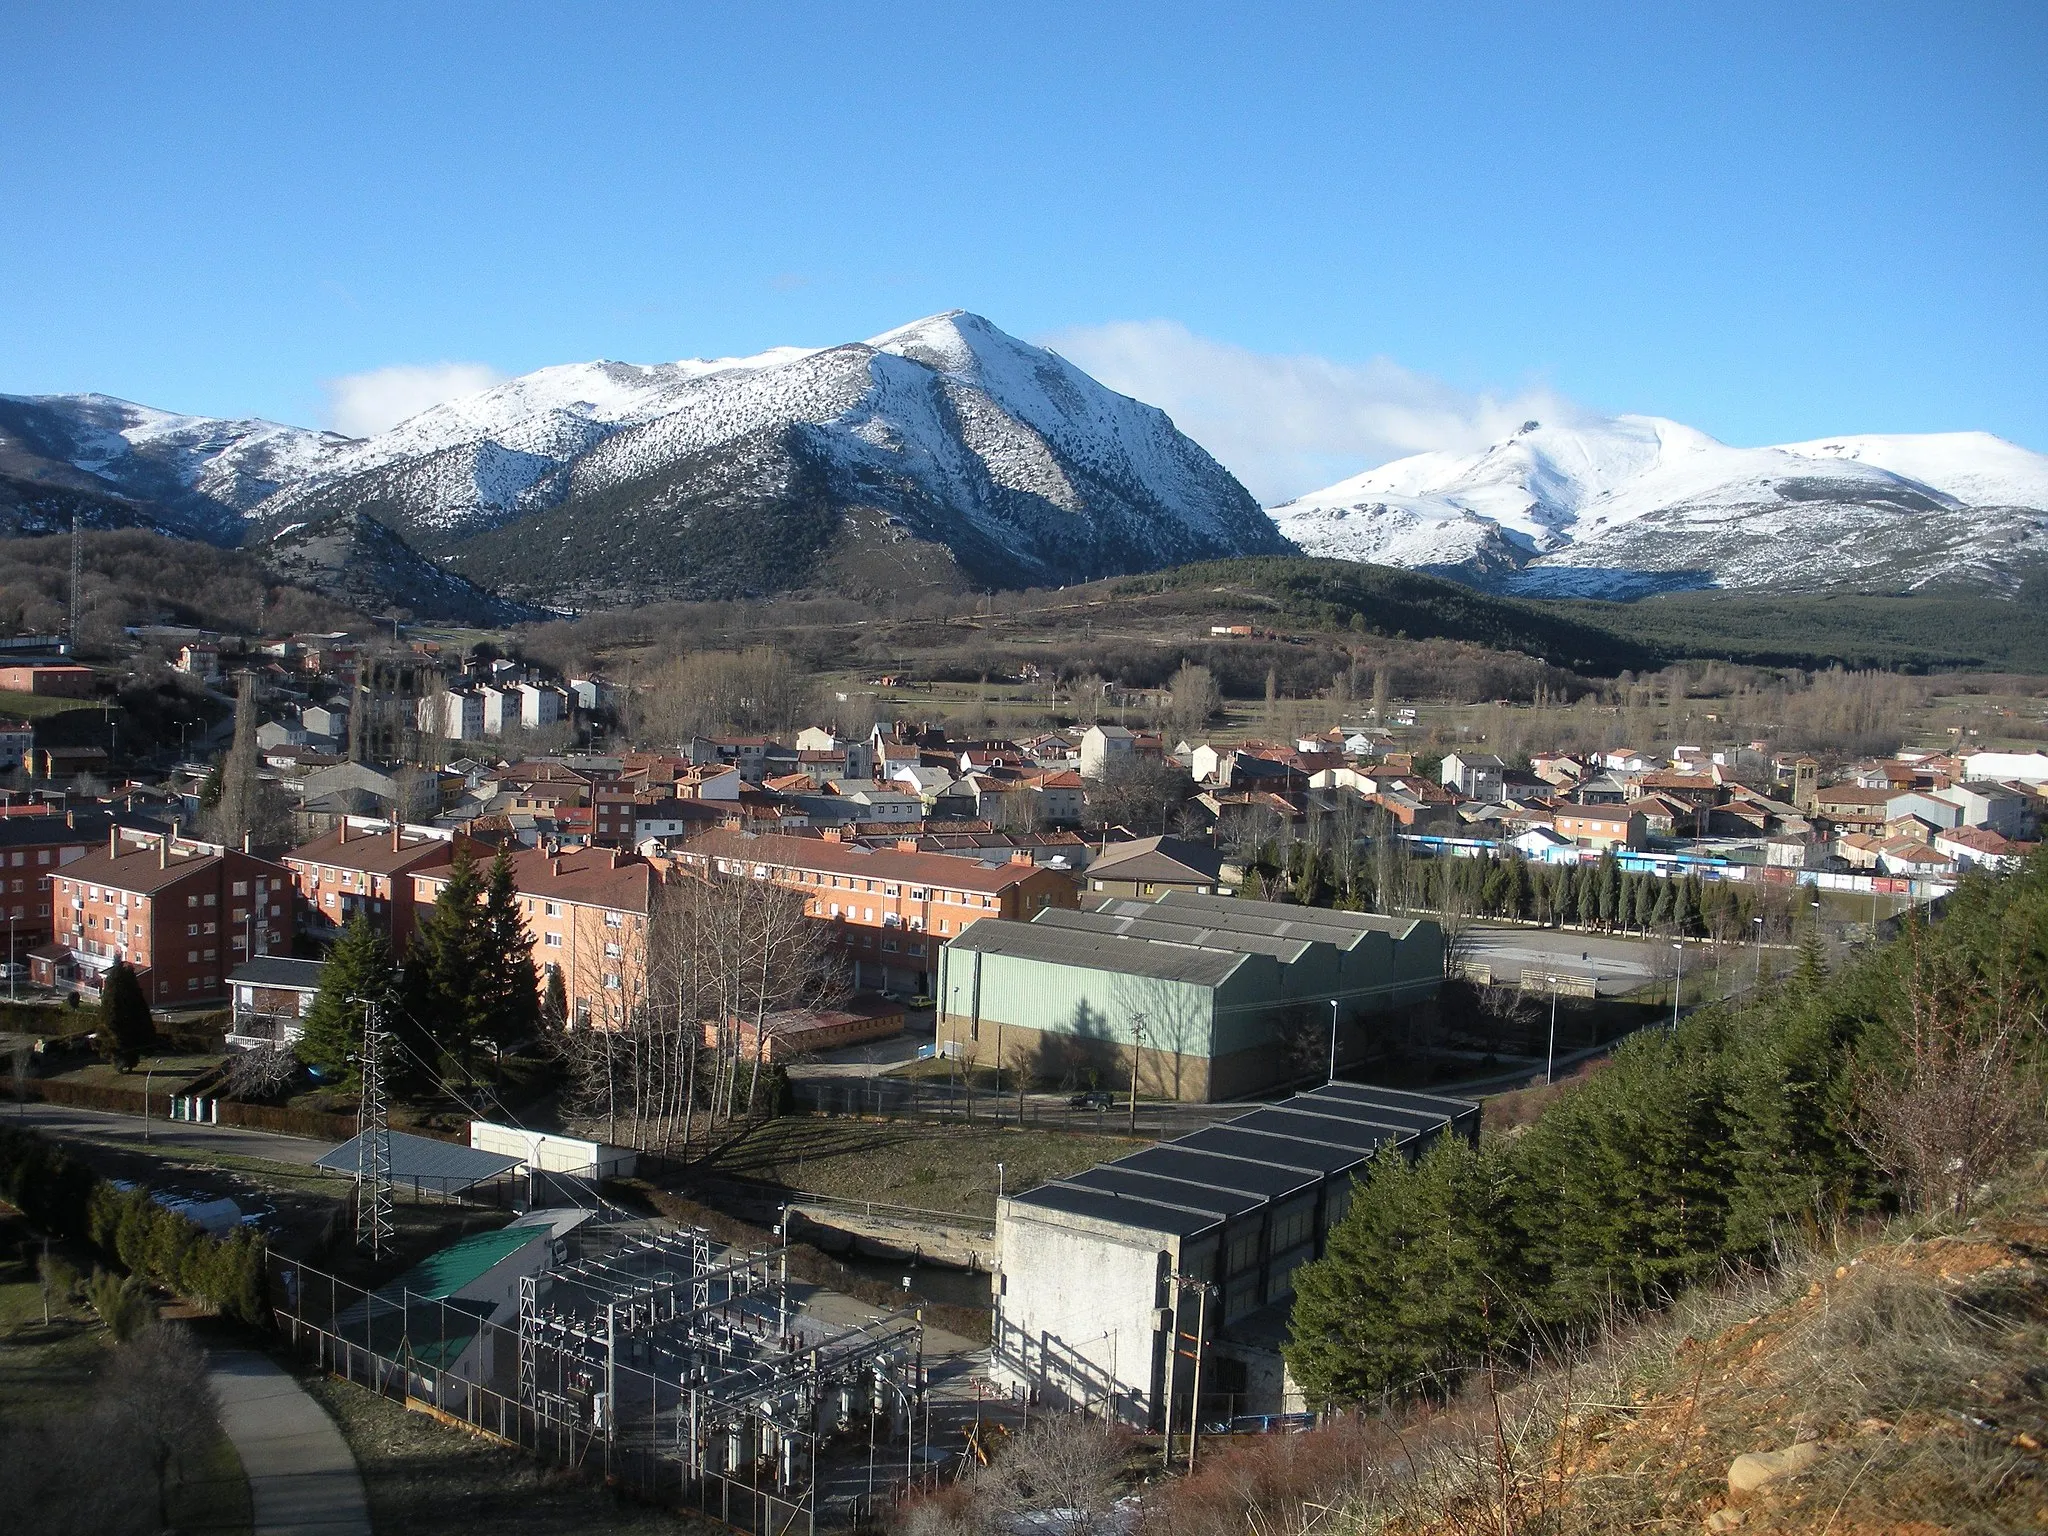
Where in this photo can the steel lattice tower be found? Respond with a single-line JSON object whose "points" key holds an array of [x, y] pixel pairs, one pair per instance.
{"points": [[373, 1143]]}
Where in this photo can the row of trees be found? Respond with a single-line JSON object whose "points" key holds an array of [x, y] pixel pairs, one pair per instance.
{"points": [[733, 951], [470, 983], [1910, 1075]]}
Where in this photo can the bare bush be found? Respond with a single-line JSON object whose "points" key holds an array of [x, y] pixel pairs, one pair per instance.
{"points": [[1952, 1101]]}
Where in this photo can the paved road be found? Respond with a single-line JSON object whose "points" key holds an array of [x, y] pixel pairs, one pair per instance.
{"points": [[302, 1478], [127, 1131], [1621, 965]]}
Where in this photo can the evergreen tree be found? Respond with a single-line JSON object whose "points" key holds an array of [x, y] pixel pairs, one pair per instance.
{"points": [[445, 1011], [125, 1025], [554, 1008], [507, 970], [358, 971], [1417, 1283]]}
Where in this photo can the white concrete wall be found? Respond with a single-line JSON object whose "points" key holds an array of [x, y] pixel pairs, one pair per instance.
{"points": [[550, 1153], [1077, 1309]]}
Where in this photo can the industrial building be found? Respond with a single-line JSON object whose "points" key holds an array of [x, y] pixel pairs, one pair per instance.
{"points": [[1200, 997], [1180, 1259]]}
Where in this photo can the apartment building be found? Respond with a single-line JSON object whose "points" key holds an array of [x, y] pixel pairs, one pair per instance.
{"points": [[890, 908], [35, 842], [182, 913], [1601, 827], [364, 867], [587, 910]]}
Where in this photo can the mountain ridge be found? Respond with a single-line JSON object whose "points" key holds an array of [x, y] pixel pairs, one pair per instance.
{"points": [[1623, 505]]}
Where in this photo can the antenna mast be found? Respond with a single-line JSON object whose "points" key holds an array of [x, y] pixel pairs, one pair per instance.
{"points": [[374, 1226]]}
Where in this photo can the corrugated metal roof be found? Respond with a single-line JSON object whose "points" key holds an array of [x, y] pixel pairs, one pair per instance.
{"points": [[1100, 951], [461, 1263], [1196, 1182], [1172, 933], [1301, 919], [442, 1166]]}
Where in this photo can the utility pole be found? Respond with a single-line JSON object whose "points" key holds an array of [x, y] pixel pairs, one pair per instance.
{"points": [[1333, 1040], [374, 1226]]}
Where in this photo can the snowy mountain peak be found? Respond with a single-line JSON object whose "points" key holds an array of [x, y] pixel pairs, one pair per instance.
{"points": [[1638, 502]]}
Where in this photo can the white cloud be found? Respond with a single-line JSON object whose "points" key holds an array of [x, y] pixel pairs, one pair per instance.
{"points": [[1289, 425], [364, 403]]}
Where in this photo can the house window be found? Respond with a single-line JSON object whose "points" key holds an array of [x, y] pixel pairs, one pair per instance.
{"points": [[191, 930], [211, 900], [191, 957], [554, 941], [554, 909], [241, 887], [614, 920], [611, 983]]}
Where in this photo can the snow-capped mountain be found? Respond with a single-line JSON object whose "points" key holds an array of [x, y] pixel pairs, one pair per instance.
{"points": [[1631, 504], [123, 463], [944, 441]]}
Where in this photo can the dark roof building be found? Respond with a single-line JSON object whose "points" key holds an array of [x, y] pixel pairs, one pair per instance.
{"points": [[1088, 1292]]}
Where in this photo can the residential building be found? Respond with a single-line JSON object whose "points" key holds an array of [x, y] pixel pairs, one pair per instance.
{"points": [[457, 715], [35, 842], [1601, 827], [1151, 866], [182, 913], [1480, 775], [17, 742], [1102, 745], [270, 998], [587, 910], [889, 908], [364, 867]]}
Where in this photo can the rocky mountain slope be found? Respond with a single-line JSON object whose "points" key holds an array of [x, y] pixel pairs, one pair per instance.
{"points": [[116, 464], [605, 482], [1631, 504], [356, 560]]}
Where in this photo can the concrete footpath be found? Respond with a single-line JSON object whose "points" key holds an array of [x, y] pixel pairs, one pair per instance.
{"points": [[302, 1477]]}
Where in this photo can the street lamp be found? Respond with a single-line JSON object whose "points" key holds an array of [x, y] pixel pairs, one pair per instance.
{"points": [[1550, 1057], [1678, 985], [999, 1188], [148, 1072], [1137, 1055], [1333, 1039], [1757, 978]]}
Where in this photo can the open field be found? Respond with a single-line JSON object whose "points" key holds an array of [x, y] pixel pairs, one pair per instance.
{"points": [[933, 1167]]}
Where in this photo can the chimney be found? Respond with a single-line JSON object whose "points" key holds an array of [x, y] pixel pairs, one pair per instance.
{"points": [[163, 851], [248, 838], [397, 833], [71, 819], [113, 840], [555, 865], [341, 830]]}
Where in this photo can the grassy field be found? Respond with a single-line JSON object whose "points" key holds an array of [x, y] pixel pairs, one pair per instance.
{"points": [[424, 1477], [38, 706], [932, 1167]]}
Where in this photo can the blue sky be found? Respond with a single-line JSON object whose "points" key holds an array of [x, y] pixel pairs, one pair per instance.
{"points": [[1771, 226]]}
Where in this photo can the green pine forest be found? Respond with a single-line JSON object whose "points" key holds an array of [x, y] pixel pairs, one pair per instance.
{"points": [[1906, 1079]]}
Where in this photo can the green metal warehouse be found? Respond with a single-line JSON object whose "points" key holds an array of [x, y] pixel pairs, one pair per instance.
{"points": [[1204, 997]]}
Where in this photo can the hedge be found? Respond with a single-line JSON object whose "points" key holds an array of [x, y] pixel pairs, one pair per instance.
{"points": [[60, 1194]]}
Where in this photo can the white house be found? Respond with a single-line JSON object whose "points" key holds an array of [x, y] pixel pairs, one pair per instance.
{"points": [[1478, 774], [1101, 745]]}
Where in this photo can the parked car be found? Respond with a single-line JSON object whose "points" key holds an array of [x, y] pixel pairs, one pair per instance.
{"points": [[1094, 1099]]}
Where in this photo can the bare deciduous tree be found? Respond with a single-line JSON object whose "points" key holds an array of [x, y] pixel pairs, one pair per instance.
{"points": [[1952, 1103]]}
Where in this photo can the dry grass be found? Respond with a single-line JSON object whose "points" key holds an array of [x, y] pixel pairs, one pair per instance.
{"points": [[1914, 1357], [931, 1167]]}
